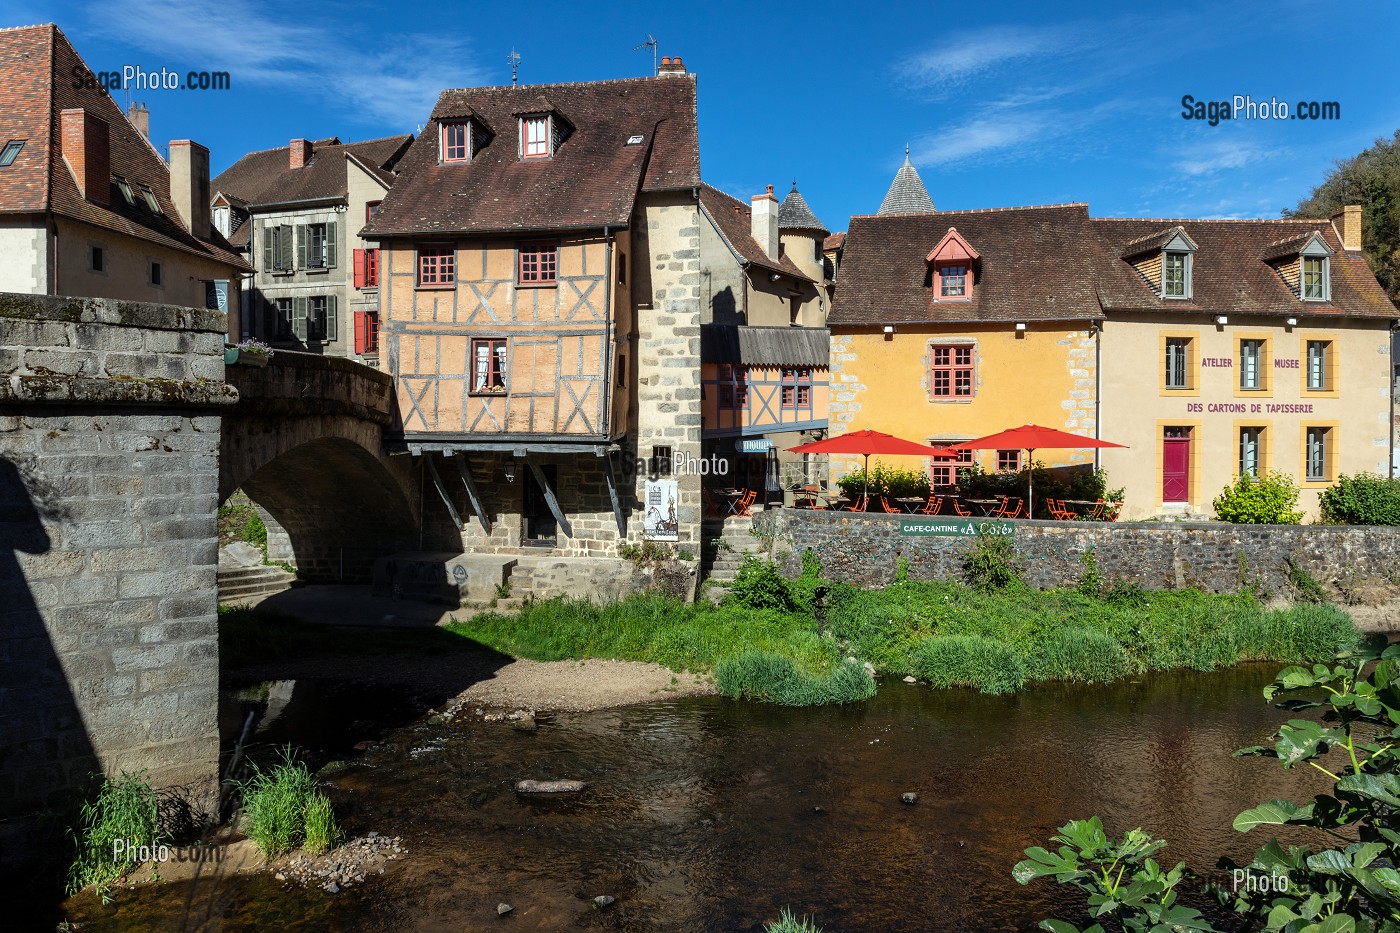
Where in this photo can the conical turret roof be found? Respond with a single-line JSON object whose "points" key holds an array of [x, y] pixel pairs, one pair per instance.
{"points": [[907, 194], [794, 214]]}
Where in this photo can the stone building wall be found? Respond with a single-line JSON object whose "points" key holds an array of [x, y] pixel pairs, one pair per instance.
{"points": [[109, 446], [1353, 562]]}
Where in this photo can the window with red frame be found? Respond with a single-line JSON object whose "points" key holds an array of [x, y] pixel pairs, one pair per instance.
{"points": [[534, 137], [367, 333], [952, 372], [952, 281], [437, 266], [366, 268], [733, 387], [1008, 461], [945, 472], [488, 364], [539, 263], [797, 388], [456, 142], [371, 209]]}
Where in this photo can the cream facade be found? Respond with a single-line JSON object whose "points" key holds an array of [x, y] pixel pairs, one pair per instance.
{"points": [[1326, 381]]}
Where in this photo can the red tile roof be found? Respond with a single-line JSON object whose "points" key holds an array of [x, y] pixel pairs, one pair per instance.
{"points": [[734, 220], [266, 177], [36, 68], [591, 181], [1230, 271], [834, 241]]}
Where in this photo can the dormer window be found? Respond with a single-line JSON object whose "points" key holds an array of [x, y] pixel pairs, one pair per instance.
{"points": [[535, 136], [456, 141], [951, 275], [1316, 285], [1176, 275]]}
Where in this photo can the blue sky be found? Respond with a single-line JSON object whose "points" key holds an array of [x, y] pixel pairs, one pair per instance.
{"points": [[1002, 104]]}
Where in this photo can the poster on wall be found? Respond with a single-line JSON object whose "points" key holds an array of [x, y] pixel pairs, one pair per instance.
{"points": [[659, 523]]}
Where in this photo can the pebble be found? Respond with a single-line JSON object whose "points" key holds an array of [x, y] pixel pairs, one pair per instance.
{"points": [[603, 900], [503, 908], [347, 865], [911, 679], [909, 797], [332, 888], [549, 787], [525, 725]]}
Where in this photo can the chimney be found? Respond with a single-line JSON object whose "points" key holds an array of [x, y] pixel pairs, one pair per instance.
{"points": [[301, 152], [140, 118], [87, 150], [671, 66], [765, 222], [189, 185], [1347, 221]]}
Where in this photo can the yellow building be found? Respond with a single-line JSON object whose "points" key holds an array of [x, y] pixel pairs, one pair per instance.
{"points": [[951, 325]]}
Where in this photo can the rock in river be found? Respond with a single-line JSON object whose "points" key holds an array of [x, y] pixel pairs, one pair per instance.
{"points": [[549, 787], [909, 798], [503, 908], [603, 900]]}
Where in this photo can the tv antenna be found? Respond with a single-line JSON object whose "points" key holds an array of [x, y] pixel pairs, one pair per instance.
{"points": [[514, 60], [650, 43]]}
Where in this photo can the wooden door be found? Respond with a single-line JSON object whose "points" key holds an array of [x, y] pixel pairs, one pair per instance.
{"points": [[541, 530], [1176, 465]]}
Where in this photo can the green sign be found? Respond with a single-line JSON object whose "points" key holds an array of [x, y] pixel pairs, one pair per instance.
{"points": [[956, 527]]}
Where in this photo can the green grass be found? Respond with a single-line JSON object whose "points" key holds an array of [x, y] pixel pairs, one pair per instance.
{"points": [[282, 809], [111, 828], [787, 923], [764, 675], [969, 661]]}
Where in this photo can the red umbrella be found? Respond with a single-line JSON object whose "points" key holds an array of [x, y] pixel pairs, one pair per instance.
{"points": [[1031, 437], [869, 442]]}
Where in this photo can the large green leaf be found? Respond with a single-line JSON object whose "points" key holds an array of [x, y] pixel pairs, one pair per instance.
{"points": [[1041, 862], [1382, 787], [1273, 813], [1337, 923], [1329, 862], [1302, 739]]}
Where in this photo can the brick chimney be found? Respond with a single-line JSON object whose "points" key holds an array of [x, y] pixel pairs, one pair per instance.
{"points": [[87, 150], [1347, 221], [140, 118], [671, 66], [189, 185], [764, 219], [301, 152]]}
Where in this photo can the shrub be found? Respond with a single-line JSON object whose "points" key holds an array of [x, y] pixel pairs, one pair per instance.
{"points": [[758, 585], [112, 827], [1091, 580], [969, 661], [787, 923], [765, 675], [886, 481], [992, 563], [322, 834], [1305, 585], [1363, 499], [277, 804], [1264, 500], [1082, 654]]}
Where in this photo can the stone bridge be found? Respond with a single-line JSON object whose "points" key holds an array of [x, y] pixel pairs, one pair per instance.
{"points": [[303, 441], [120, 433]]}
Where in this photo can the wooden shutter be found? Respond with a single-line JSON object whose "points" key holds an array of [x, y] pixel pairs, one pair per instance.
{"points": [[361, 331], [284, 247], [299, 319], [269, 260], [332, 317], [301, 246], [358, 258], [331, 229]]}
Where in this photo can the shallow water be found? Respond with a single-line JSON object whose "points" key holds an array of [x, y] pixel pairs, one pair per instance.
{"points": [[712, 815]]}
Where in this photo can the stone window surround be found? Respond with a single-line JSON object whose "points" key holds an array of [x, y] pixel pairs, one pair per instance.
{"points": [[926, 379]]}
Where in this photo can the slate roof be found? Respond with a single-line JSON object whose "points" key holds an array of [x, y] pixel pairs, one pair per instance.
{"points": [[907, 194], [1038, 263], [1230, 272], [266, 178], [591, 181], [733, 219], [36, 84], [765, 346], [794, 214]]}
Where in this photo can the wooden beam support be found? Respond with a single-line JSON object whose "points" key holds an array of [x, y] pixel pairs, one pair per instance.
{"points": [[550, 499], [472, 496], [442, 491], [616, 501]]}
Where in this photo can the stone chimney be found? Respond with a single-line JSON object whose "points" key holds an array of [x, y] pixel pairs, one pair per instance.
{"points": [[301, 152], [1347, 221], [140, 118], [764, 217], [671, 66], [87, 150], [189, 185]]}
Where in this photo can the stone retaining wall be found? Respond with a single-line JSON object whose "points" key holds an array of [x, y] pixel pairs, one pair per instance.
{"points": [[1353, 562]]}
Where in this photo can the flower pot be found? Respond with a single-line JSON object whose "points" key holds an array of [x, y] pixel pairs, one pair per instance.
{"points": [[230, 355], [253, 359]]}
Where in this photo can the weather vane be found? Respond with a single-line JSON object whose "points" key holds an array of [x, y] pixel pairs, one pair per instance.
{"points": [[514, 67]]}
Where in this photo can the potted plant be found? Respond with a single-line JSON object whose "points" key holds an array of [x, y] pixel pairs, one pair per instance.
{"points": [[248, 352]]}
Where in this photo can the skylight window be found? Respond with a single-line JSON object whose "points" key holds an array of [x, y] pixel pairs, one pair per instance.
{"points": [[125, 190], [634, 140], [11, 150], [149, 198]]}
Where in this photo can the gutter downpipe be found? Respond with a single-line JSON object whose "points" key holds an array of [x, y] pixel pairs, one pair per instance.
{"points": [[608, 286], [1098, 392]]}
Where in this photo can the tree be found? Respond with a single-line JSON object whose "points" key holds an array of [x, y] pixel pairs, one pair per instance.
{"points": [[1372, 179]]}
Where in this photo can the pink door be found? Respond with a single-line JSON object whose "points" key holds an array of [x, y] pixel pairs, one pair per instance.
{"points": [[1176, 465]]}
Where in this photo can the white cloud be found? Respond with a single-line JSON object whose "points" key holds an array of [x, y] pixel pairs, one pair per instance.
{"points": [[391, 79], [1211, 158], [980, 138], [962, 56]]}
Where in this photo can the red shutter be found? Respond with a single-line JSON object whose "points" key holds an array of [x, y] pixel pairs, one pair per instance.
{"points": [[371, 268], [359, 268], [361, 320]]}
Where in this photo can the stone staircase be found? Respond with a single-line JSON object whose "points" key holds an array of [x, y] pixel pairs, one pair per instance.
{"points": [[726, 543], [242, 584]]}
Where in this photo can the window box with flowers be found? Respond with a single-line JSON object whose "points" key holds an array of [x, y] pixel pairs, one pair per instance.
{"points": [[248, 352]]}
